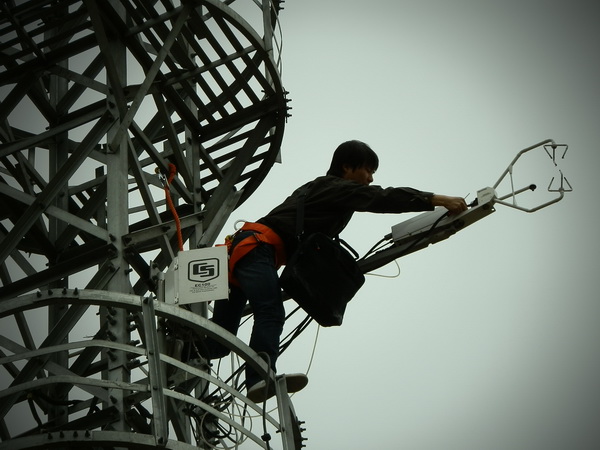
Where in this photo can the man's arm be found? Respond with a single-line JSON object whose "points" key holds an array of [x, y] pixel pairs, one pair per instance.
{"points": [[453, 204]]}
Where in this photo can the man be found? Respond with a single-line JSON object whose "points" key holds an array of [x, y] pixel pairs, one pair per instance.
{"points": [[258, 249]]}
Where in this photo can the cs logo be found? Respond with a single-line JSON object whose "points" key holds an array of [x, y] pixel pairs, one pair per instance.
{"points": [[203, 270]]}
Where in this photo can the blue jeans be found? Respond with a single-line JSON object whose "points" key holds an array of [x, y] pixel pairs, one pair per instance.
{"points": [[259, 285]]}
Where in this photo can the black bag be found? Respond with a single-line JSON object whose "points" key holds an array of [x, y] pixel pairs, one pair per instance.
{"points": [[321, 276]]}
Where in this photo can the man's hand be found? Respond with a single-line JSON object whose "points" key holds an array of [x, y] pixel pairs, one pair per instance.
{"points": [[453, 204]]}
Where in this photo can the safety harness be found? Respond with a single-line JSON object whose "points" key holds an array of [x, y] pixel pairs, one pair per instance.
{"points": [[261, 234]]}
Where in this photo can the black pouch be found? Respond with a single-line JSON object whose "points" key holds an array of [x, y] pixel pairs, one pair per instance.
{"points": [[322, 277]]}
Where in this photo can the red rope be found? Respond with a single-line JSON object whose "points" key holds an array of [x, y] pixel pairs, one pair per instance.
{"points": [[172, 172]]}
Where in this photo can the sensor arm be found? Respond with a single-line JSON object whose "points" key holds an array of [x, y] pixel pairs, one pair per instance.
{"points": [[428, 228], [564, 184], [434, 226]]}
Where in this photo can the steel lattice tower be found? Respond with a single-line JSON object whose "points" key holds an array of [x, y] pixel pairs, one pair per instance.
{"points": [[98, 100]]}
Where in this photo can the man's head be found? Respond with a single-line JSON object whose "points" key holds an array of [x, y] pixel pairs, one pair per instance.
{"points": [[351, 156]]}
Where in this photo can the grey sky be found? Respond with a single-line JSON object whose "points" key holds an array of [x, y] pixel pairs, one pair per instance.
{"points": [[487, 340]]}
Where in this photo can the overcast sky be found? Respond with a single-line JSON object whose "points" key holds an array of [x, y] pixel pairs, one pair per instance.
{"points": [[488, 340]]}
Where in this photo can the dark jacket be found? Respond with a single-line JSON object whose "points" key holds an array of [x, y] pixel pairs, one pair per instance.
{"points": [[331, 201]]}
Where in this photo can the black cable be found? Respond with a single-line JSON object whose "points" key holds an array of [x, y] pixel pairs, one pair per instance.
{"points": [[374, 248], [54, 401], [413, 244], [33, 410], [285, 343], [295, 333], [426, 234]]}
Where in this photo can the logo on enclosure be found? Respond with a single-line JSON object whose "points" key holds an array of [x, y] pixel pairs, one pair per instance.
{"points": [[203, 270]]}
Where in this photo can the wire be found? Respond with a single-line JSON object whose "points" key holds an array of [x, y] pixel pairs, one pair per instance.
{"points": [[426, 234], [228, 405], [292, 335], [377, 248], [314, 349], [387, 276], [387, 239]]}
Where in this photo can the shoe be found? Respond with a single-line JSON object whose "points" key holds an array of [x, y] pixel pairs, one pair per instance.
{"points": [[295, 382], [258, 393]]}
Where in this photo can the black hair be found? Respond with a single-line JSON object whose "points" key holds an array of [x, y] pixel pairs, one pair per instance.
{"points": [[353, 154]]}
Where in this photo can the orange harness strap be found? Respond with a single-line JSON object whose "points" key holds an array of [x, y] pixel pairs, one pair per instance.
{"points": [[262, 233]]}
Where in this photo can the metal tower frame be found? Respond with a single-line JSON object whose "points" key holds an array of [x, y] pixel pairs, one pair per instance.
{"points": [[99, 100]]}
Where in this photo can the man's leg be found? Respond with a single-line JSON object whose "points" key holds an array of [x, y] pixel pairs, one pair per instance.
{"points": [[227, 314], [257, 276]]}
